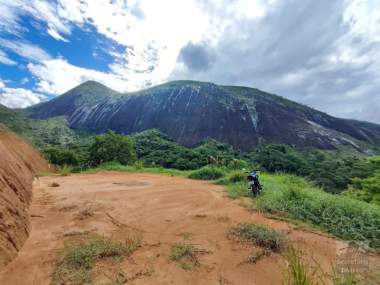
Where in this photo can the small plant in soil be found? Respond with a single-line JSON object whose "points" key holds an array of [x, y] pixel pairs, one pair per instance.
{"points": [[261, 236], [77, 260], [186, 254]]}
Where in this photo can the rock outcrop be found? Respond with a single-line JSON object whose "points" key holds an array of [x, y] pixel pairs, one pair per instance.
{"points": [[191, 111]]}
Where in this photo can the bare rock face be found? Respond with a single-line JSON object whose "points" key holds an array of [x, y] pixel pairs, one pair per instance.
{"points": [[191, 111], [18, 164]]}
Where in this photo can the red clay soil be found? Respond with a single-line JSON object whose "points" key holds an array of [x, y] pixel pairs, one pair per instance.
{"points": [[162, 210], [18, 163]]}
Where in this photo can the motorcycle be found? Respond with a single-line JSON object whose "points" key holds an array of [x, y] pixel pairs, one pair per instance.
{"points": [[254, 185]]}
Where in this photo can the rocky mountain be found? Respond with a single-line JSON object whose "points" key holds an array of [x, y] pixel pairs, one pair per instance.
{"points": [[190, 112]]}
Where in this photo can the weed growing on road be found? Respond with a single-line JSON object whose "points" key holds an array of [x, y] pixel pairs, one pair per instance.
{"points": [[261, 236], [186, 254], [77, 261]]}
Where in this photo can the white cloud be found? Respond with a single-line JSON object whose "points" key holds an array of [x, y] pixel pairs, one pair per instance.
{"points": [[364, 17], [18, 97], [57, 76], [25, 49], [152, 31], [155, 30], [56, 35], [4, 59], [45, 11], [9, 19]]}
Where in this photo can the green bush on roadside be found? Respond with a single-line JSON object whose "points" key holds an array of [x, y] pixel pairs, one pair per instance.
{"points": [[207, 173]]}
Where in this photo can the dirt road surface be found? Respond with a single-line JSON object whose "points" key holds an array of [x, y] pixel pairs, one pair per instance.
{"points": [[163, 210]]}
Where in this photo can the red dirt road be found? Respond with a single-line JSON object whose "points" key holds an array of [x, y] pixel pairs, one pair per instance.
{"points": [[163, 210]]}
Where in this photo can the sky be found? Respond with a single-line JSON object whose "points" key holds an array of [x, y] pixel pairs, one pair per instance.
{"points": [[324, 54]]}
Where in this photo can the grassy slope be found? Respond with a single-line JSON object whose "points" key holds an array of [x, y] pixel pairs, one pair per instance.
{"points": [[294, 197]]}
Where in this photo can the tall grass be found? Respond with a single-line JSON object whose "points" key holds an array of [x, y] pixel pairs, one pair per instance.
{"points": [[300, 272], [297, 272], [339, 215], [295, 198]]}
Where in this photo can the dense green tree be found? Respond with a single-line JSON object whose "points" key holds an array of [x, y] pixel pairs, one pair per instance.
{"points": [[155, 148], [281, 158], [369, 184], [61, 157], [112, 147]]}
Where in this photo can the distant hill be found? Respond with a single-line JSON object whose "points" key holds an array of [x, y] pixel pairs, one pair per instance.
{"points": [[190, 112]]}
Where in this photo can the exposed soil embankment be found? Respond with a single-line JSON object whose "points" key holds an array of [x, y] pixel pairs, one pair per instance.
{"points": [[19, 161]]}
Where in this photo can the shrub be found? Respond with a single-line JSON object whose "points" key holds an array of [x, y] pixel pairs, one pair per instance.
{"points": [[61, 157], [238, 164], [369, 188], [237, 176], [112, 147], [207, 173], [262, 236], [279, 158]]}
